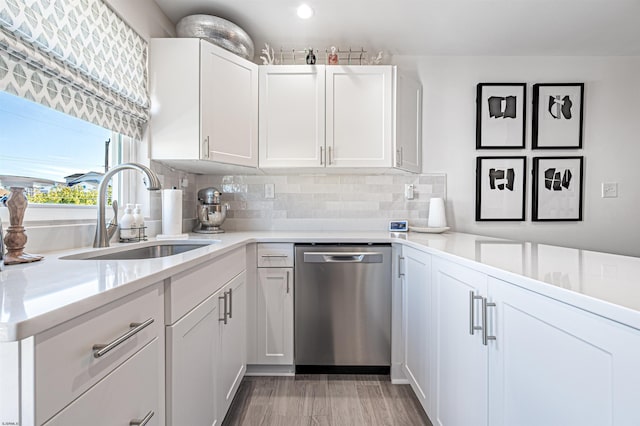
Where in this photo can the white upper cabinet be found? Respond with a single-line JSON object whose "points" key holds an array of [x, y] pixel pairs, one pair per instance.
{"points": [[339, 117], [408, 141], [204, 105], [291, 116], [359, 119]]}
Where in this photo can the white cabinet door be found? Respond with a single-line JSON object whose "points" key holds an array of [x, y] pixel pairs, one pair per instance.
{"points": [[292, 125], [553, 364], [460, 364], [275, 316], [192, 352], [232, 340], [204, 105], [416, 299], [408, 113], [229, 106], [359, 116]]}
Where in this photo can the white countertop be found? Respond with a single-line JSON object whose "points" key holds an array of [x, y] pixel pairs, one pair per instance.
{"points": [[41, 295]]}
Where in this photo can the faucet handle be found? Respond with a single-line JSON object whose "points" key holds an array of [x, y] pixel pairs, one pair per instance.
{"points": [[112, 227]]}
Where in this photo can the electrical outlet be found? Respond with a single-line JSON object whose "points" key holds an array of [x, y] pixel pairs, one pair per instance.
{"points": [[609, 190], [184, 182], [408, 191], [269, 190]]}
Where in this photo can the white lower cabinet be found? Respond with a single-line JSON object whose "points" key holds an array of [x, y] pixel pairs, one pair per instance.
{"points": [[192, 355], [459, 366], [511, 356], [206, 346], [127, 396], [415, 269], [554, 364], [274, 337], [232, 329]]}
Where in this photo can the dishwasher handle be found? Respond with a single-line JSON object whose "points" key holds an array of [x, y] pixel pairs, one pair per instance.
{"points": [[343, 257]]}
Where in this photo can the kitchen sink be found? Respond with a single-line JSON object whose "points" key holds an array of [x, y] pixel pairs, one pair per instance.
{"points": [[152, 251]]}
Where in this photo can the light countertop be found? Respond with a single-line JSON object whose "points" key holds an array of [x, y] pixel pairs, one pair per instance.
{"points": [[38, 296]]}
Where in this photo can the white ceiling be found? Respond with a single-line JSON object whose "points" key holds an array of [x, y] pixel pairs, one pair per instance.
{"points": [[428, 27]]}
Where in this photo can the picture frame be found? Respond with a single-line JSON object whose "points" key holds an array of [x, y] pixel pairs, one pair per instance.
{"points": [[558, 111], [501, 115], [501, 188], [557, 189]]}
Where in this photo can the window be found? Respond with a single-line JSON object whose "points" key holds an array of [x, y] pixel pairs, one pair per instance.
{"points": [[58, 158]]}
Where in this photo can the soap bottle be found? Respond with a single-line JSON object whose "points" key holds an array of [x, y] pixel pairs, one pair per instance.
{"points": [[138, 220], [127, 224]]}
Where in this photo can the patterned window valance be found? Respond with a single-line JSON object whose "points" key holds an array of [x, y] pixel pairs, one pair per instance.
{"points": [[76, 56]]}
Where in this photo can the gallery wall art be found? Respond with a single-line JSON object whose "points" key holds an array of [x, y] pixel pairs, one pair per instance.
{"points": [[500, 188], [557, 189], [501, 115], [557, 115]]}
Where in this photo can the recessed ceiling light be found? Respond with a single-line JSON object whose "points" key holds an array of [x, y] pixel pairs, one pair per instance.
{"points": [[305, 11]]}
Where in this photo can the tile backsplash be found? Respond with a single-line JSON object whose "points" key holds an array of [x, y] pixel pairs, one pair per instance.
{"points": [[323, 202]]}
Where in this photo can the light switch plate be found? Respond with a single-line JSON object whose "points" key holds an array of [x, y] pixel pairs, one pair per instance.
{"points": [[269, 190], [408, 191], [609, 190]]}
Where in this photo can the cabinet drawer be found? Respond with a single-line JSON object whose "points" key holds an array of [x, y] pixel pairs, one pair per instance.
{"points": [[131, 392], [65, 365], [191, 287], [275, 255]]}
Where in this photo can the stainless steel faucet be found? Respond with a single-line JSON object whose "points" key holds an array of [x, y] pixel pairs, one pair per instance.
{"points": [[153, 184]]}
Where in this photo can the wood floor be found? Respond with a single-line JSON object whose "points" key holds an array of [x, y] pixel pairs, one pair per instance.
{"points": [[324, 400]]}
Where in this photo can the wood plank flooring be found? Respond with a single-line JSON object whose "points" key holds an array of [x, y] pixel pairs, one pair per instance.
{"points": [[324, 400]]}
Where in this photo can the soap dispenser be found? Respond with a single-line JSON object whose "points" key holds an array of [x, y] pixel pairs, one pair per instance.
{"points": [[138, 221], [127, 224]]}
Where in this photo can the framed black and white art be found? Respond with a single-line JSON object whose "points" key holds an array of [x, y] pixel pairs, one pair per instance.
{"points": [[557, 189], [557, 115], [500, 115], [500, 188]]}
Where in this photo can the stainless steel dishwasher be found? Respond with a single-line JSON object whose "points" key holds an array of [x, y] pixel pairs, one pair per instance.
{"points": [[342, 308]]}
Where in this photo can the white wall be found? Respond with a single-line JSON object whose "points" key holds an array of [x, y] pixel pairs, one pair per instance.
{"points": [[611, 142], [145, 17]]}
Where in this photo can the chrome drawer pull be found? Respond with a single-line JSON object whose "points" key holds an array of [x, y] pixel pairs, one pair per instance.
{"points": [[485, 331], [274, 255], [472, 300], [230, 302], [142, 422], [136, 327], [224, 315]]}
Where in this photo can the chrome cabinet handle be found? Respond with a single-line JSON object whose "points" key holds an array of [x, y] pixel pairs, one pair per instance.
{"points": [[230, 303], [205, 147], [142, 422], [472, 301], [399, 157], [136, 327], [330, 156], [400, 273], [287, 282], [485, 331], [321, 155], [274, 255], [224, 315]]}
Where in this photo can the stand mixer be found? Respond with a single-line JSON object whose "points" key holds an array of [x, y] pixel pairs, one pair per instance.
{"points": [[211, 213]]}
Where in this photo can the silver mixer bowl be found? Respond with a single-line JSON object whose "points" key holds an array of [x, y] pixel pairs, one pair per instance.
{"points": [[211, 216]]}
